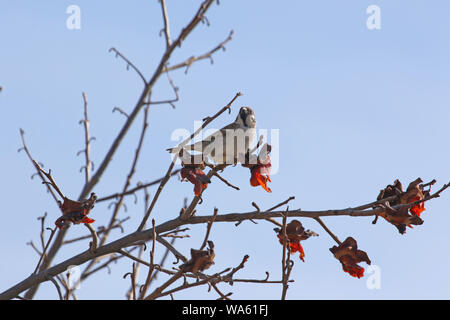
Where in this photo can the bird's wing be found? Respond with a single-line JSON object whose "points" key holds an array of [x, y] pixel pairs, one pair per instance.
{"points": [[201, 145]]}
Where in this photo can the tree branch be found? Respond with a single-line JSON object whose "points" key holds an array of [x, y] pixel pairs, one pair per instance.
{"points": [[208, 55], [147, 235], [87, 140], [166, 23]]}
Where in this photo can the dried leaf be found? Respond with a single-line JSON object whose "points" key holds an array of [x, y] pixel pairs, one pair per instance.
{"points": [[200, 260], [349, 256], [196, 176], [295, 233], [75, 212], [404, 217]]}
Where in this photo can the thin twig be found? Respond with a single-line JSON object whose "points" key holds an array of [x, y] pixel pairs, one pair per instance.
{"points": [[87, 140], [221, 294], [152, 264], [31, 243], [120, 111], [166, 23], [57, 287], [39, 172], [133, 280], [100, 230], [158, 192], [42, 234], [45, 250], [281, 204], [208, 55], [328, 230], [283, 259], [139, 187], [169, 101], [225, 181], [125, 188], [129, 64], [172, 242], [171, 248], [93, 245], [174, 231], [48, 175], [208, 229]]}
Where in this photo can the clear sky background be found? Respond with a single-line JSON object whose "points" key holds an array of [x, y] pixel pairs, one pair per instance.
{"points": [[356, 109]]}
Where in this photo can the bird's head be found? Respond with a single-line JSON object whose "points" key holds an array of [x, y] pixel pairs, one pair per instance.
{"points": [[246, 117]]}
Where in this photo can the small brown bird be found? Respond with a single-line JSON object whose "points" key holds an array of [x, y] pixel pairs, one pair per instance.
{"points": [[229, 144]]}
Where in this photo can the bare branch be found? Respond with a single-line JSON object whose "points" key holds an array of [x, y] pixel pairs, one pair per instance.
{"points": [[39, 172], [94, 243], [57, 287], [171, 248], [208, 228], [119, 203], [133, 280], [139, 187], [87, 140], [225, 181], [208, 55], [48, 175], [147, 235], [328, 230], [120, 111], [45, 249], [169, 101], [129, 64], [152, 265], [284, 260], [198, 17], [100, 230], [166, 23]]}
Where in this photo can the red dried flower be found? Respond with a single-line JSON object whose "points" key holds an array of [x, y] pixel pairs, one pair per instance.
{"points": [[295, 233], [260, 174], [349, 256], [75, 212], [197, 177], [404, 217]]}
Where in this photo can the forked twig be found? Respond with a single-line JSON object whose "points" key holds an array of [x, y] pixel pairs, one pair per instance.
{"points": [[208, 55], [129, 64]]}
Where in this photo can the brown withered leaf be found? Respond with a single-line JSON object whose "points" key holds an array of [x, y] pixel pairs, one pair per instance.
{"points": [[200, 260], [403, 217], [75, 211], [192, 171], [349, 255], [295, 233]]}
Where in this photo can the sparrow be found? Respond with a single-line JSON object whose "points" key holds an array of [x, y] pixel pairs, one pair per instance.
{"points": [[238, 135]]}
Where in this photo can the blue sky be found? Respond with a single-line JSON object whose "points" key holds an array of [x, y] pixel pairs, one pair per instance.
{"points": [[356, 109]]}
